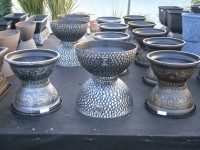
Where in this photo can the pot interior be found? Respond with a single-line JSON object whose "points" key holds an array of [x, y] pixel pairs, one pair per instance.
{"points": [[111, 35], [134, 17], [108, 18], [113, 25], [141, 23], [8, 33], [105, 46], [148, 31], [163, 41], [68, 22], [71, 16], [25, 23]]}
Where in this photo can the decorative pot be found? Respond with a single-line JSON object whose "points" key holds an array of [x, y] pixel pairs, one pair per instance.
{"points": [[171, 97], [5, 25], [140, 34], [105, 95], [76, 17], [27, 29], [117, 36], [15, 17], [163, 13], [4, 85], [36, 96], [191, 24], [9, 39], [69, 32], [133, 18], [108, 20], [140, 24], [157, 44], [41, 22], [195, 8], [115, 27]]}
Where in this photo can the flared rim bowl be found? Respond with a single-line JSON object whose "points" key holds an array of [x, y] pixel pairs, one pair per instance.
{"points": [[110, 36], [147, 32]]}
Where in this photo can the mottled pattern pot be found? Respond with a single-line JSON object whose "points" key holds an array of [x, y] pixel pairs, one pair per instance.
{"points": [[155, 44], [133, 18], [27, 29], [140, 34], [9, 39], [108, 20], [115, 27], [69, 32], [171, 97], [76, 17], [4, 85], [105, 96], [36, 96]]}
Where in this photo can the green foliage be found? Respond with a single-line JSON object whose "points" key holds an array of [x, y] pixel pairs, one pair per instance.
{"points": [[32, 6], [57, 7], [195, 2], [5, 8]]}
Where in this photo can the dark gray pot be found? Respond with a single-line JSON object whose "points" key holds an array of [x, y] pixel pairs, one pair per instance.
{"points": [[133, 18], [114, 27], [140, 24], [108, 20]]}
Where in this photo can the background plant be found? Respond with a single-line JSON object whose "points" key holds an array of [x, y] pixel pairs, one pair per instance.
{"points": [[32, 6], [195, 2], [5, 8], [57, 7]]}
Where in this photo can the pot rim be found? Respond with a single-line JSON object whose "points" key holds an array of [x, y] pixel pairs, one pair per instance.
{"points": [[17, 33], [182, 42], [79, 15], [56, 22], [25, 26], [140, 17], [133, 23], [115, 19], [123, 26], [35, 63], [105, 41], [4, 49], [125, 37], [174, 65], [191, 15], [163, 31]]}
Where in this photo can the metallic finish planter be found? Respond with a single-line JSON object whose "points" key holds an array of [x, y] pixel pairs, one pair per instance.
{"points": [[140, 24], [115, 27], [105, 95], [27, 29], [76, 17], [171, 97], [140, 34], [4, 85], [108, 20], [155, 44], [69, 32], [36, 96], [133, 18]]}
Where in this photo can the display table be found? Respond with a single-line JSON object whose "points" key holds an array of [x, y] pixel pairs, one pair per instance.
{"points": [[67, 129]]}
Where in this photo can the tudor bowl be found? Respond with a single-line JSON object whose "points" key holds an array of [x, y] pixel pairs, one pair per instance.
{"points": [[105, 58], [133, 18], [115, 27], [111, 36], [140, 24], [108, 20], [76, 17], [69, 30]]}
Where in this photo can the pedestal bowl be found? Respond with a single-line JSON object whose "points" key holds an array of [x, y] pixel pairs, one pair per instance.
{"points": [[75, 17], [108, 20], [36, 96], [133, 18], [27, 29], [140, 24], [69, 32], [105, 95], [140, 34], [155, 44], [115, 27], [171, 97]]}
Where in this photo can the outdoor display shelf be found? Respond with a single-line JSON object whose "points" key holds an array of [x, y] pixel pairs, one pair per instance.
{"points": [[68, 129]]}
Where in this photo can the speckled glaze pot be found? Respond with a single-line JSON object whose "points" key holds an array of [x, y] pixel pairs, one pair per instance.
{"points": [[171, 97], [155, 44], [105, 95], [27, 29], [115, 27], [36, 96], [76, 17], [108, 20], [141, 33], [4, 85], [69, 32], [140, 24], [133, 18], [9, 39]]}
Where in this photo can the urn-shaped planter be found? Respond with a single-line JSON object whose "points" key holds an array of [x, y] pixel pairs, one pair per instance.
{"points": [[163, 13], [108, 20], [76, 17], [115, 27], [171, 97], [105, 95], [15, 17], [140, 34], [133, 18], [69, 32], [157, 44], [140, 24], [9, 39], [27, 29], [5, 25], [36, 96]]}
